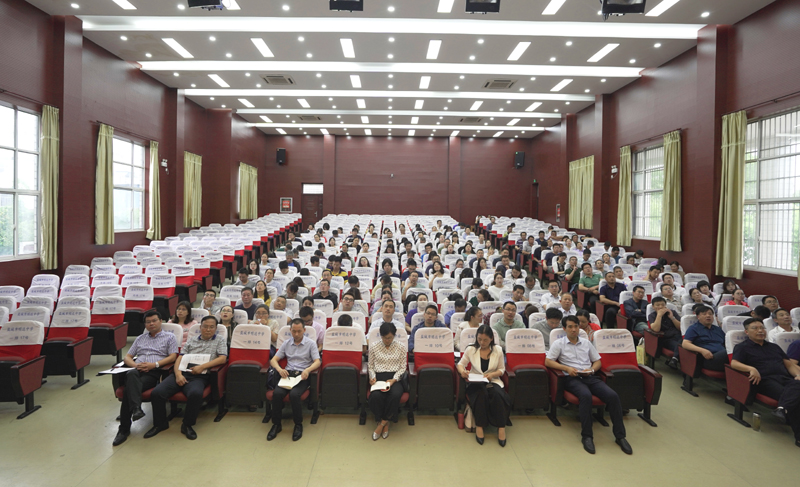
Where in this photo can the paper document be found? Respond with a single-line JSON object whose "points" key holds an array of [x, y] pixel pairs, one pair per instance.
{"points": [[117, 370], [380, 385], [192, 359], [477, 378], [289, 382]]}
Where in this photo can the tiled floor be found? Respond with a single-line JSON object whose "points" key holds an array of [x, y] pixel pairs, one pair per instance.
{"points": [[68, 443]]}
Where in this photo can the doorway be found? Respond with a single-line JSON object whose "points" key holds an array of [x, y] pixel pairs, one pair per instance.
{"points": [[311, 204], [535, 201]]}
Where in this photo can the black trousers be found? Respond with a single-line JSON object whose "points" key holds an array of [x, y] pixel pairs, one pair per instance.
{"points": [[717, 362], [136, 382], [589, 302], [193, 390], [584, 388], [673, 344], [488, 405], [384, 405], [786, 391], [610, 316], [279, 393]]}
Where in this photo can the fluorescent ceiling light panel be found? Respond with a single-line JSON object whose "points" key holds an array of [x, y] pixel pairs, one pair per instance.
{"points": [[513, 122], [303, 103], [661, 8], [533, 106], [265, 118], [355, 80], [364, 119], [476, 105], [560, 86], [347, 48], [175, 45], [281, 131], [367, 132], [433, 49], [231, 5], [411, 132], [498, 134], [518, 51], [246, 103], [418, 104], [324, 131], [219, 80], [602, 52], [469, 95], [424, 82], [445, 6], [414, 120], [391, 113], [125, 4], [262, 47], [454, 133], [361, 103], [553, 7]]}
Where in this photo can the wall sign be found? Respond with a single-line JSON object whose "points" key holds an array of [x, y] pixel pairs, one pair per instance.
{"points": [[558, 213], [286, 205]]}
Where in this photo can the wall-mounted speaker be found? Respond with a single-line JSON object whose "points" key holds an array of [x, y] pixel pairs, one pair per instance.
{"points": [[280, 157], [519, 159]]}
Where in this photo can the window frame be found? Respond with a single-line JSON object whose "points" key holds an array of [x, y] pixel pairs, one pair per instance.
{"points": [[15, 192], [634, 193], [758, 202], [142, 191]]}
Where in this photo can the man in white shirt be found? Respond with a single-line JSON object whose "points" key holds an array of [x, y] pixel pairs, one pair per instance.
{"points": [[565, 305], [783, 324], [553, 297], [578, 358]]}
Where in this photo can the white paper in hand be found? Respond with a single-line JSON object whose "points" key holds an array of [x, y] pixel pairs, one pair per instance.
{"points": [[477, 378], [192, 359], [379, 386]]}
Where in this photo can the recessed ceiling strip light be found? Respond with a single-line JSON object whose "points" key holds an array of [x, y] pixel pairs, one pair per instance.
{"points": [[175, 45], [347, 48], [553, 7], [355, 80], [561, 85], [219, 80], [533, 106], [125, 4], [602, 52], [518, 51], [476, 105], [262, 47], [433, 49], [303, 103], [246, 103], [445, 6], [661, 8], [361, 103], [424, 82]]}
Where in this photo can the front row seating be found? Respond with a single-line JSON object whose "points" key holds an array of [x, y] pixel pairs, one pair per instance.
{"points": [[21, 363], [68, 347]]}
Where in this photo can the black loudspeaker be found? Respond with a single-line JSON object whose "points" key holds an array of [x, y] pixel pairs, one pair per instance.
{"points": [[519, 159], [280, 157]]}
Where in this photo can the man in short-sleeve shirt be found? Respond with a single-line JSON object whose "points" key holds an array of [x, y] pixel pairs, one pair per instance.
{"points": [[707, 339]]}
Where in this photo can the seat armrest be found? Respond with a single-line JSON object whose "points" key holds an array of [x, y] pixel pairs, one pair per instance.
{"points": [[605, 373], [738, 383], [412, 369], [28, 375], [689, 362], [651, 342], [364, 368], [510, 373], [81, 352], [652, 384]]}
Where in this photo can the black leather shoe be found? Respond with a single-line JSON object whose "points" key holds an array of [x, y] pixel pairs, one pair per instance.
{"points": [[120, 438], [780, 414], [479, 439], [625, 446], [673, 363], [137, 414], [588, 444], [298, 432], [154, 431], [189, 432], [273, 432], [502, 442]]}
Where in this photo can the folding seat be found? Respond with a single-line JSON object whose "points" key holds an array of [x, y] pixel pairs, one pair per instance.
{"points": [[108, 326], [222, 331], [164, 298], [690, 366], [51, 280], [99, 270], [122, 254], [202, 272], [132, 280], [359, 319], [138, 301], [468, 334], [184, 282], [232, 294], [74, 269], [14, 292], [730, 310], [3, 316], [365, 274], [447, 307], [75, 291], [130, 269], [33, 313], [738, 385], [198, 314], [216, 267], [734, 323], [74, 302], [528, 382], [245, 374], [420, 317], [43, 301], [171, 262], [189, 255], [339, 378], [326, 307], [123, 261], [434, 382], [489, 306], [68, 348], [107, 290], [75, 280], [228, 259], [150, 261], [104, 280], [168, 253], [21, 363], [285, 333], [105, 261], [647, 285]]}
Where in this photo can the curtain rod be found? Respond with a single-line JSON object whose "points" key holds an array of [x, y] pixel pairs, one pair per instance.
{"points": [[764, 103], [23, 97], [128, 132], [655, 136]]}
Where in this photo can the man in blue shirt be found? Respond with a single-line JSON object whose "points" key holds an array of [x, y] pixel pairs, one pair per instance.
{"points": [[430, 321], [635, 310], [707, 340], [460, 307], [609, 298]]}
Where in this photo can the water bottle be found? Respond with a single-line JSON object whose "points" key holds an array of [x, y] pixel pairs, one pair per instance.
{"points": [[756, 422]]}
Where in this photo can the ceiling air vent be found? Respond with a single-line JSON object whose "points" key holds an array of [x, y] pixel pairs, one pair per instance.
{"points": [[278, 80], [309, 118], [470, 120], [499, 84]]}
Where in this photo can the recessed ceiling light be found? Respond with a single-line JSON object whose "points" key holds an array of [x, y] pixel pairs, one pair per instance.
{"points": [[287, 116], [454, 133], [390, 9], [424, 82], [414, 120], [324, 86], [441, 118], [556, 110], [553, 7], [265, 118], [632, 61], [445, 6], [561, 85], [123, 38], [501, 109], [472, 58], [364, 119], [522, 89], [247, 74], [661, 8], [433, 49], [212, 38], [567, 103], [491, 118], [303, 103], [445, 108], [281, 131], [330, 99], [219, 80], [533, 106], [271, 98], [533, 78], [603, 80], [262, 47], [455, 87], [148, 54], [294, 121], [657, 45], [391, 87], [361, 103], [449, 101], [308, 55], [175, 74], [390, 115], [480, 41], [602, 52], [227, 54], [391, 76], [211, 98], [175, 45], [246, 102], [552, 59], [586, 90], [541, 120], [223, 106], [391, 39], [355, 80], [181, 6], [278, 106], [334, 106], [705, 14], [390, 99], [301, 38], [319, 75], [569, 43], [418, 104], [347, 48], [411, 132], [390, 56], [508, 101], [338, 116], [438, 123], [194, 85], [476, 105], [518, 51], [74, 5], [461, 77], [498, 134], [367, 132]]}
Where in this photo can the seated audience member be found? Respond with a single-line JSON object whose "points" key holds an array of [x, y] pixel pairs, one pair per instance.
{"points": [[668, 278], [247, 303], [560, 267], [589, 284], [552, 321], [411, 283], [638, 255], [243, 280], [631, 260], [431, 313], [783, 324], [497, 287], [759, 312], [208, 302], [260, 292], [771, 372], [793, 352], [336, 267], [411, 268], [290, 259], [510, 320], [183, 317], [387, 362], [302, 358], [668, 293], [553, 297], [269, 279], [609, 298], [192, 382], [577, 357], [652, 276], [477, 284], [530, 285], [283, 267], [436, 271], [698, 297], [565, 305], [226, 319], [324, 293], [738, 299], [460, 306], [666, 321], [384, 281], [572, 274], [707, 339], [388, 269], [252, 268], [347, 320], [348, 301], [262, 318], [504, 265], [518, 294], [771, 302], [489, 402], [291, 291], [387, 314], [473, 318], [307, 317], [150, 351], [635, 309], [585, 321]]}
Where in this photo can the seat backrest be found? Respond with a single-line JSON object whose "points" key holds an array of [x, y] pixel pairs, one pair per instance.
{"points": [[433, 346], [231, 293], [250, 342], [109, 305], [175, 329], [15, 292], [418, 291], [358, 318], [74, 269], [524, 347], [74, 291], [731, 310], [109, 290], [420, 317], [100, 270], [731, 323], [21, 339], [285, 333], [130, 269], [43, 291], [444, 283], [755, 300], [733, 338], [557, 333], [34, 313], [694, 277], [29, 301], [74, 302], [281, 317], [184, 270], [75, 280], [104, 280], [489, 306], [51, 280], [222, 331], [325, 306], [468, 336], [139, 293], [70, 323], [163, 281], [198, 314], [374, 335], [156, 270], [785, 339], [615, 347], [133, 280], [3, 315], [97, 261], [647, 285], [343, 344]]}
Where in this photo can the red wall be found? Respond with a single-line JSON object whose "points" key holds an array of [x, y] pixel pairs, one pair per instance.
{"points": [[303, 165]]}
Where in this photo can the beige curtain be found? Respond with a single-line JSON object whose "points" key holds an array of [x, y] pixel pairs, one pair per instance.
{"points": [[192, 189], [671, 196], [154, 232], [104, 188], [731, 200], [248, 192], [624, 216], [581, 193], [48, 256]]}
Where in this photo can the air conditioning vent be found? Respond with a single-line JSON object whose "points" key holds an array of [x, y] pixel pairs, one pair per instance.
{"points": [[470, 120], [277, 80], [499, 84], [309, 118]]}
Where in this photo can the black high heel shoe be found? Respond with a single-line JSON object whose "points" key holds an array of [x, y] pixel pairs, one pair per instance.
{"points": [[479, 439], [502, 442]]}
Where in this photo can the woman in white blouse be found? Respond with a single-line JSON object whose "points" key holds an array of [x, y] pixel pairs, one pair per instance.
{"points": [[497, 287], [387, 362], [473, 318], [489, 402]]}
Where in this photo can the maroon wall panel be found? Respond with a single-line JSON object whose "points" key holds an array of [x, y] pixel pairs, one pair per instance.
{"points": [[216, 172], [26, 55], [549, 172], [304, 155], [364, 166]]}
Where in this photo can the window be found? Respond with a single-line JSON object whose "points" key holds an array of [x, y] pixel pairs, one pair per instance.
{"points": [[648, 187], [19, 183], [128, 186], [772, 193]]}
